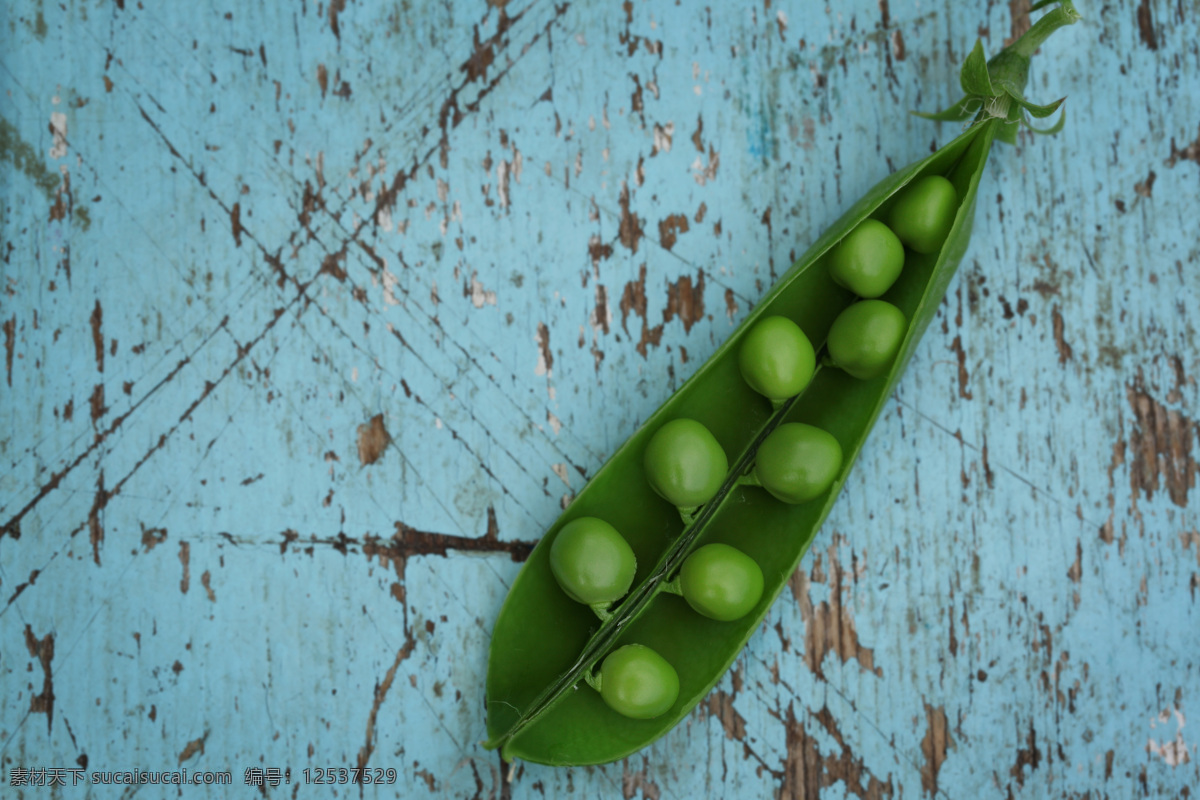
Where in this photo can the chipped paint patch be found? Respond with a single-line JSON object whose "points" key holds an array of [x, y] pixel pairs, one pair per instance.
{"points": [[58, 129], [703, 172], [1161, 446], [479, 296], [808, 770], [829, 626], [933, 747], [42, 650], [1173, 752], [560, 470], [373, 439], [545, 362], [664, 135]]}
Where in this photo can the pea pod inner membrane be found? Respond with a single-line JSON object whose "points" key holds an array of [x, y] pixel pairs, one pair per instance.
{"points": [[536, 708]]}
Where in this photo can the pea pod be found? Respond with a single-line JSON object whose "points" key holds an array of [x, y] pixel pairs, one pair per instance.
{"points": [[547, 649]]}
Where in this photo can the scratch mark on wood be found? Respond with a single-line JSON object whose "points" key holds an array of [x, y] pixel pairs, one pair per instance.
{"points": [[10, 340], [94, 523], [33, 576], [380, 694], [13, 526]]}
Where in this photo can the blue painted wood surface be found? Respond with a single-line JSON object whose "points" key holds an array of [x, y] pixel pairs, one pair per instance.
{"points": [[315, 317]]}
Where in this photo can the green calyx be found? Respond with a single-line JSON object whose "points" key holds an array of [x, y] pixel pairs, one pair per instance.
{"points": [[994, 89]]}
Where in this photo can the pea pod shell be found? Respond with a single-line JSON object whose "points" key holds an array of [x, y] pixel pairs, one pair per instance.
{"points": [[542, 644]]}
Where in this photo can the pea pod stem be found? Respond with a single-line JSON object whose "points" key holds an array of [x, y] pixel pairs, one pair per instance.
{"points": [[749, 479], [592, 679], [672, 586], [602, 610]]}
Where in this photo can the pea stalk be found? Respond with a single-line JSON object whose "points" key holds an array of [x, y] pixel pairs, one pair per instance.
{"points": [[995, 89], [545, 648]]}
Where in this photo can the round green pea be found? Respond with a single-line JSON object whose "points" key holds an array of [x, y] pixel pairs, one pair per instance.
{"points": [[637, 682], [591, 561], [798, 462], [868, 259], [777, 359], [923, 213], [721, 582], [684, 463], [865, 338]]}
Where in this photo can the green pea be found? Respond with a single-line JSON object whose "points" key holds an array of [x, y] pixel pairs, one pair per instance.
{"points": [[924, 212], [777, 359], [865, 338], [592, 562], [637, 682], [721, 582], [868, 260], [685, 464], [797, 462]]}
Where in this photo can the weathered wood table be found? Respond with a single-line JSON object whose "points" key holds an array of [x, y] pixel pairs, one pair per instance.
{"points": [[315, 318]]}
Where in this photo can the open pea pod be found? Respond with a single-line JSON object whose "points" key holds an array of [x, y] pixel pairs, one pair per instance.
{"points": [[546, 647]]}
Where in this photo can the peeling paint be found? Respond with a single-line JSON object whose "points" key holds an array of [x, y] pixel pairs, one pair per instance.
{"points": [[10, 340], [685, 299], [1145, 23], [807, 770], [828, 625], [479, 296], [933, 747], [373, 439], [1173, 752], [58, 128], [42, 650], [185, 559], [1161, 446]]}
